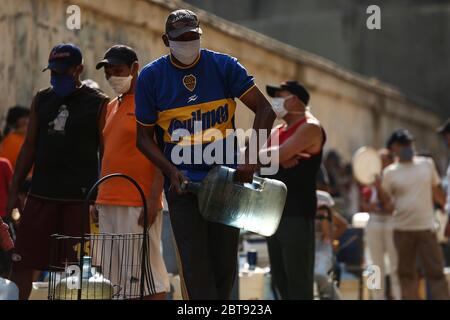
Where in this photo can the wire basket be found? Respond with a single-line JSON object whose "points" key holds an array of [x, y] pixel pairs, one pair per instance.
{"points": [[101, 266]]}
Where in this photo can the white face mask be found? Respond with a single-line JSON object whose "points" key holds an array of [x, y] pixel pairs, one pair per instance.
{"points": [[185, 51], [120, 85], [278, 107]]}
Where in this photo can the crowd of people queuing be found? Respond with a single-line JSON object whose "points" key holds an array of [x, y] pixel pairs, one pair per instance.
{"points": [[52, 153]]}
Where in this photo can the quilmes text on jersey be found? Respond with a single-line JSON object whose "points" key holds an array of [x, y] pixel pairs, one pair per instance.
{"points": [[204, 135]]}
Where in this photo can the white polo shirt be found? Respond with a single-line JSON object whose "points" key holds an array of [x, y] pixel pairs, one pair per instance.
{"points": [[410, 188]]}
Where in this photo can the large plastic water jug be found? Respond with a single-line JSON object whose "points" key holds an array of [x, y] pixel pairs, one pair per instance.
{"points": [[255, 207]]}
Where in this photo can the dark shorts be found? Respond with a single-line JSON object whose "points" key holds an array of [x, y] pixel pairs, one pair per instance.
{"points": [[42, 218]]}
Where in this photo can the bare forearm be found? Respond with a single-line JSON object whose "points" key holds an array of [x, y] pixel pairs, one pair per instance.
{"points": [[157, 187], [439, 195], [365, 206], [151, 151], [340, 223], [264, 116], [24, 163], [385, 200]]}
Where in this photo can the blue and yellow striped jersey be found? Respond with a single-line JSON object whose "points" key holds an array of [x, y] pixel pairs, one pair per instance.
{"points": [[173, 97]]}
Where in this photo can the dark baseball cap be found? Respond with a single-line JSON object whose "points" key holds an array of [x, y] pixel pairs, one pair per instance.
{"points": [[402, 136], [63, 56], [181, 21], [445, 128], [293, 87], [118, 54]]}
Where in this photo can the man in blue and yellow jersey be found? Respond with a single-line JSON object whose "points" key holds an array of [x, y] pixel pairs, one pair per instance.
{"points": [[193, 91]]}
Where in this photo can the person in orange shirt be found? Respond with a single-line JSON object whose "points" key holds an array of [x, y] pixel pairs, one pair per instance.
{"points": [[14, 133], [118, 202], [14, 136]]}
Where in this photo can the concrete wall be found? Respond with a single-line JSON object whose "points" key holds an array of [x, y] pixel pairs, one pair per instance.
{"points": [[354, 111]]}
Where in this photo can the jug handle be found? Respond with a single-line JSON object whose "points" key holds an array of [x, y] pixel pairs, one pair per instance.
{"points": [[190, 186], [257, 183]]}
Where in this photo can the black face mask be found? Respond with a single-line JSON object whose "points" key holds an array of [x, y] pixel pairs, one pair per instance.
{"points": [[406, 154], [63, 84]]}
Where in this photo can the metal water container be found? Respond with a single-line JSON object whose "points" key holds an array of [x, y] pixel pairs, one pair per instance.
{"points": [[255, 207]]}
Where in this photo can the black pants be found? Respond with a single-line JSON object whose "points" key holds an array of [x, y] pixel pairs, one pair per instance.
{"points": [[207, 251], [291, 253]]}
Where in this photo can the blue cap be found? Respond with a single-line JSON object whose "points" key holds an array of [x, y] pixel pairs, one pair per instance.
{"points": [[63, 56]]}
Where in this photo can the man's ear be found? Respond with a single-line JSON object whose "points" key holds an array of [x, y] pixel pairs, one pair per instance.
{"points": [[299, 102], [165, 40], [135, 68], [79, 69], [292, 102]]}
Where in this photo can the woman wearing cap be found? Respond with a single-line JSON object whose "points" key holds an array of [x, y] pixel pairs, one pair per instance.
{"points": [[300, 144]]}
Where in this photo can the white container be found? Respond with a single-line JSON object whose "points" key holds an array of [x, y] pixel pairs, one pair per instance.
{"points": [[360, 220], [8, 290]]}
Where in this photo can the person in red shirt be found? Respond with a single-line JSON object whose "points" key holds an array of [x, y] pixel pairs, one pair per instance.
{"points": [[299, 143], [5, 180], [5, 238]]}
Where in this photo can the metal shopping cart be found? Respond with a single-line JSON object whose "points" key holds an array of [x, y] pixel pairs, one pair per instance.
{"points": [[101, 266]]}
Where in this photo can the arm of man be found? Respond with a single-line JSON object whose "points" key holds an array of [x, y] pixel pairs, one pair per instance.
{"points": [[147, 145], [264, 118], [383, 189], [340, 225], [101, 126], [146, 110], [25, 159], [153, 201], [367, 206], [439, 195], [306, 138], [438, 192]]}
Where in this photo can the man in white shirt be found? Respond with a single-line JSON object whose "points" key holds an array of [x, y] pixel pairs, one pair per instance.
{"points": [[409, 187]]}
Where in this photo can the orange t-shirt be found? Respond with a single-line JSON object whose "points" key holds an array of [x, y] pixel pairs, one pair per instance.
{"points": [[120, 155], [10, 147]]}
